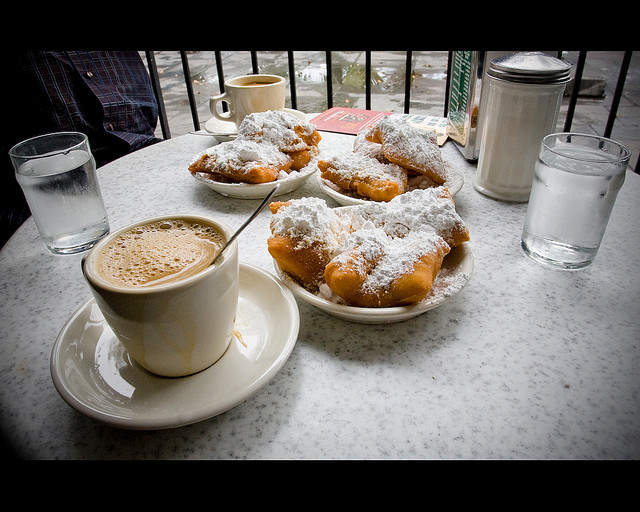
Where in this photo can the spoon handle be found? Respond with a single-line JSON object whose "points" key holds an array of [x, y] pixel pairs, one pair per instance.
{"points": [[247, 222]]}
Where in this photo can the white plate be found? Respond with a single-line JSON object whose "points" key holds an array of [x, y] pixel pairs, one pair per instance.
{"points": [[94, 374], [454, 275], [454, 184], [227, 130], [293, 180]]}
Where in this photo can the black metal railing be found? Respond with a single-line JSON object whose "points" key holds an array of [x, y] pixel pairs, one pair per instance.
{"points": [[579, 68]]}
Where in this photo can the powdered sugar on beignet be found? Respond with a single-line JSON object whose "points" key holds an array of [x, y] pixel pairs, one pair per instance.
{"points": [[415, 211], [310, 220], [282, 129]]}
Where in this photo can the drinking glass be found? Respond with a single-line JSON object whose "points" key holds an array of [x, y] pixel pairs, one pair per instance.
{"points": [[57, 173], [576, 181]]}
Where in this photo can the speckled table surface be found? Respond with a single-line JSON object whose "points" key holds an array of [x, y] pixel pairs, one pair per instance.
{"points": [[525, 362]]}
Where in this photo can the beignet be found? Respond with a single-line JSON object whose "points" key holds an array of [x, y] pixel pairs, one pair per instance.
{"points": [[243, 161], [285, 131], [268, 144], [364, 175], [409, 146]]}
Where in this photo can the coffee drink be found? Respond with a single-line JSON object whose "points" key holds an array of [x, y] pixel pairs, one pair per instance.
{"points": [[172, 310], [254, 83], [159, 252]]}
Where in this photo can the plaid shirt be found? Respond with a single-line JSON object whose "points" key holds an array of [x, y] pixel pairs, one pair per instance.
{"points": [[105, 94]]}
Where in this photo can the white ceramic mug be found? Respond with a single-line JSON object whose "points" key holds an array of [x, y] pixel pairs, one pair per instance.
{"points": [[248, 94], [176, 328]]}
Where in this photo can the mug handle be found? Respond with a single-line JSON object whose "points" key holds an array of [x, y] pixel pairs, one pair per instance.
{"points": [[214, 100]]}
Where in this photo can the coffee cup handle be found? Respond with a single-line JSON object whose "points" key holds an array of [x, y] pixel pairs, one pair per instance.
{"points": [[84, 273], [213, 102]]}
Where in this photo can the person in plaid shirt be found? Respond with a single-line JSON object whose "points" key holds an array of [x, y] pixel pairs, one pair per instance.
{"points": [[105, 94]]}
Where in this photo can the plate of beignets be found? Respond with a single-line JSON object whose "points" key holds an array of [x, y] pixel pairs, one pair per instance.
{"points": [[372, 263], [388, 159], [291, 181], [453, 277], [271, 147]]}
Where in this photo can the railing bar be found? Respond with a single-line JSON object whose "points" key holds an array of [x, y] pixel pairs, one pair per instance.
{"points": [[329, 80], [582, 57], [220, 73], [254, 62], [367, 79], [407, 83], [187, 82], [622, 76], [157, 90], [447, 84], [292, 80]]}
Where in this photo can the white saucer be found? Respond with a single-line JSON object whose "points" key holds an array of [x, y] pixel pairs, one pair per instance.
{"points": [[224, 131], [94, 374], [291, 182], [454, 275], [454, 184], [227, 130]]}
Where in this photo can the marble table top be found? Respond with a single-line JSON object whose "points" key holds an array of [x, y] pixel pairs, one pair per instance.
{"points": [[525, 363]]}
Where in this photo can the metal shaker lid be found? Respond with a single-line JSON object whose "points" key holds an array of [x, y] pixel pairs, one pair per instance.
{"points": [[530, 68]]}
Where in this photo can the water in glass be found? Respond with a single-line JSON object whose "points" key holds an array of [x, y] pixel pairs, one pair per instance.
{"points": [[569, 207], [64, 197]]}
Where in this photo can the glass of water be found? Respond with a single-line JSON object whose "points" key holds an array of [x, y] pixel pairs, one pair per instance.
{"points": [[576, 181], [57, 173]]}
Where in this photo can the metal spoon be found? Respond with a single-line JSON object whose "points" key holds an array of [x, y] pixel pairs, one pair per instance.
{"points": [[247, 222]]}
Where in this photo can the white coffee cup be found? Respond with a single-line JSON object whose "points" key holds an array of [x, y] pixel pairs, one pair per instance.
{"points": [[248, 94], [177, 328]]}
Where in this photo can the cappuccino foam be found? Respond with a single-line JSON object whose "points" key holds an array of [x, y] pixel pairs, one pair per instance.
{"points": [[159, 252]]}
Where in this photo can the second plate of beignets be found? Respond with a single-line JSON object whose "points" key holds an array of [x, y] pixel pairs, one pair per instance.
{"points": [[364, 175]]}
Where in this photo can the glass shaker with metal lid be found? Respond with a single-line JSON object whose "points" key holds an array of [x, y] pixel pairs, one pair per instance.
{"points": [[524, 98]]}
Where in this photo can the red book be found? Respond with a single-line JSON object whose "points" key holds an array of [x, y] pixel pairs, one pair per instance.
{"points": [[353, 120], [347, 120]]}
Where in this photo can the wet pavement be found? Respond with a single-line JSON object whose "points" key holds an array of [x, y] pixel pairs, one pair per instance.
{"points": [[599, 80]]}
